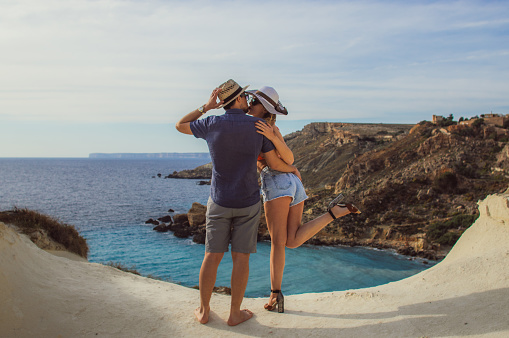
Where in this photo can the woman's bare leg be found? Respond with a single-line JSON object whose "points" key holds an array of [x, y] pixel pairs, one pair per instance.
{"points": [[276, 214], [298, 234]]}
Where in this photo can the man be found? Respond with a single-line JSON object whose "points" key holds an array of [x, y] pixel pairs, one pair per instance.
{"points": [[233, 209]]}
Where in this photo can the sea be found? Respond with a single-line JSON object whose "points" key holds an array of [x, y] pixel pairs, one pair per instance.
{"points": [[109, 200]]}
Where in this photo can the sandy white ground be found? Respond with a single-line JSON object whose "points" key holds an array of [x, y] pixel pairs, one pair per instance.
{"points": [[467, 294]]}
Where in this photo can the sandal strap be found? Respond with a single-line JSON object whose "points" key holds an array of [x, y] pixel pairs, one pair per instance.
{"points": [[352, 208], [332, 214]]}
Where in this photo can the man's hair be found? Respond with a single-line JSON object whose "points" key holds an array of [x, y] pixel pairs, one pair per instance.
{"points": [[229, 105]]}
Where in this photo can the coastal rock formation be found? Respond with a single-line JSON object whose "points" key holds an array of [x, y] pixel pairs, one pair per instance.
{"points": [[201, 172], [196, 215], [417, 186], [419, 193], [463, 295], [192, 224], [323, 150]]}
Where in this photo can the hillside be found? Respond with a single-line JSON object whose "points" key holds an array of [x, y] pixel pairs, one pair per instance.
{"points": [[323, 150], [418, 193], [417, 186]]}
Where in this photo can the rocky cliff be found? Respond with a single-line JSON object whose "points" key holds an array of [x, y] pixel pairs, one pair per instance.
{"points": [[417, 186], [419, 192], [323, 150]]}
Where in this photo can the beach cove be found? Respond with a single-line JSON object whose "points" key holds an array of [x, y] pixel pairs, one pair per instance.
{"points": [[109, 200], [464, 295]]}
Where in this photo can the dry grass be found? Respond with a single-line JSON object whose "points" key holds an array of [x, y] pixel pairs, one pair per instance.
{"points": [[122, 267], [28, 221]]}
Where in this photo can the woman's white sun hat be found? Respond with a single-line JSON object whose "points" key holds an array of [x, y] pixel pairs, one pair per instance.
{"points": [[269, 99]]}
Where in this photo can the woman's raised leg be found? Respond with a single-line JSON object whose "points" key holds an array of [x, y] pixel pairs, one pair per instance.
{"points": [[298, 234]]}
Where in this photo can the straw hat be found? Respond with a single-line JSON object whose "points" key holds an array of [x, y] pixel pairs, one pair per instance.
{"points": [[230, 90], [270, 100]]}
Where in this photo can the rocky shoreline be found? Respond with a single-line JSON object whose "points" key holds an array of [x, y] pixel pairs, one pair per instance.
{"points": [[417, 186], [192, 225]]}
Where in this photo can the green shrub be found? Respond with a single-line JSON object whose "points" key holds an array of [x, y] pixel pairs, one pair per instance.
{"points": [[439, 232], [466, 170], [449, 238], [477, 123], [446, 182]]}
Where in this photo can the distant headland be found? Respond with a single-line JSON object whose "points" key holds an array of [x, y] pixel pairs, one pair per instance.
{"points": [[204, 156]]}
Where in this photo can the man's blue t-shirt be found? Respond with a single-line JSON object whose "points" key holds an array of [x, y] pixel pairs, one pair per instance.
{"points": [[234, 147]]}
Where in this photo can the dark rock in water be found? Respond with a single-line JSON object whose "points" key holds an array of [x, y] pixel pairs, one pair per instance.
{"points": [[222, 290], [199, 238], [218, 289], [180, 218], [203, 183], [196, 214], [190, 224], [171, 210], [152, 221], [166, 219], [161, 228], [201, 172], [182, 232], [407, 251]]}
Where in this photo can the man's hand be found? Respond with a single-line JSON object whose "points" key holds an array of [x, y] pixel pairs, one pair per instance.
{"points": [[296, 172], [184, 125], [212, 102]]}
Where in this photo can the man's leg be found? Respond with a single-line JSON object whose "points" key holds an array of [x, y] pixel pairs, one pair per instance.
{"points": [[240, 275], [216, 244], [245, 232], [208, 273]]}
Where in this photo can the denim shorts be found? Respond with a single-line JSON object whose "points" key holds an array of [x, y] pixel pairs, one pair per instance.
{"points": [[276, 184]]}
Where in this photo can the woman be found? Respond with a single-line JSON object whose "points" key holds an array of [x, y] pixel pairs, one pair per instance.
{"points": [[284, 195]]}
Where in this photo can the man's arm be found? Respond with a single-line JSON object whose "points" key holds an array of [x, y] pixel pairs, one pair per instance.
{"points": [[278, 164], [184, 125]]}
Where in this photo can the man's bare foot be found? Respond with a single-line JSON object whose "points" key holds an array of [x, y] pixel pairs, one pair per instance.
{"points": [[242, 316], [202, 315]]}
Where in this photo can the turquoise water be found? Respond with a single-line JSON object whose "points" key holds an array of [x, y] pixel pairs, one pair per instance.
{"points": [[109, 201]]}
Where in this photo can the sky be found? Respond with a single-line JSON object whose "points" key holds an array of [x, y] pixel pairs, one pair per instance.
{"points": [[80, 77]]}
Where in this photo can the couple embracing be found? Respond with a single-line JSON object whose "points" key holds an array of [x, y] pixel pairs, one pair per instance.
{"points": [[242, 141]]}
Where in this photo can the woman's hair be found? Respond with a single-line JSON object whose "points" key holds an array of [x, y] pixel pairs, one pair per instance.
{"points": [[270, 118]]}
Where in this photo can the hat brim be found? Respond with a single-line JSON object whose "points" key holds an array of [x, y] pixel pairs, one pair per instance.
{"points": [[265, 103], [234, 98]]}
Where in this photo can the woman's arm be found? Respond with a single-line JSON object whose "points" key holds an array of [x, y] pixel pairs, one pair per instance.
{"points": [[274, 162], [273, 134]]}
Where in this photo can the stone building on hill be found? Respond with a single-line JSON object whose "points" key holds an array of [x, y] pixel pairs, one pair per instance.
{"points": [[489, 119]]}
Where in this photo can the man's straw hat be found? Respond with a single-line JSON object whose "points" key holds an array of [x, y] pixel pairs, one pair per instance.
{"points": [[230, 90]]}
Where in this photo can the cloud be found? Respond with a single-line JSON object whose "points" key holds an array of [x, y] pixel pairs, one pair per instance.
{"points": [[153, 61]]}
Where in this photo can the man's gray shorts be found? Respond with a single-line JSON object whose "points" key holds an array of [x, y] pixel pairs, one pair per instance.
{"points": [[236, 225]]}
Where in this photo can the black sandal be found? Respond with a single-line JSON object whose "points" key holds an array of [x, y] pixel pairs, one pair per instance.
{"points": [[352, 208], [335, 201], [279, 302]]}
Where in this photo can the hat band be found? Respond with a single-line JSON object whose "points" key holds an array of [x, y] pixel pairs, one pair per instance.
{"points": [[276, 106], [235, 93]]}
